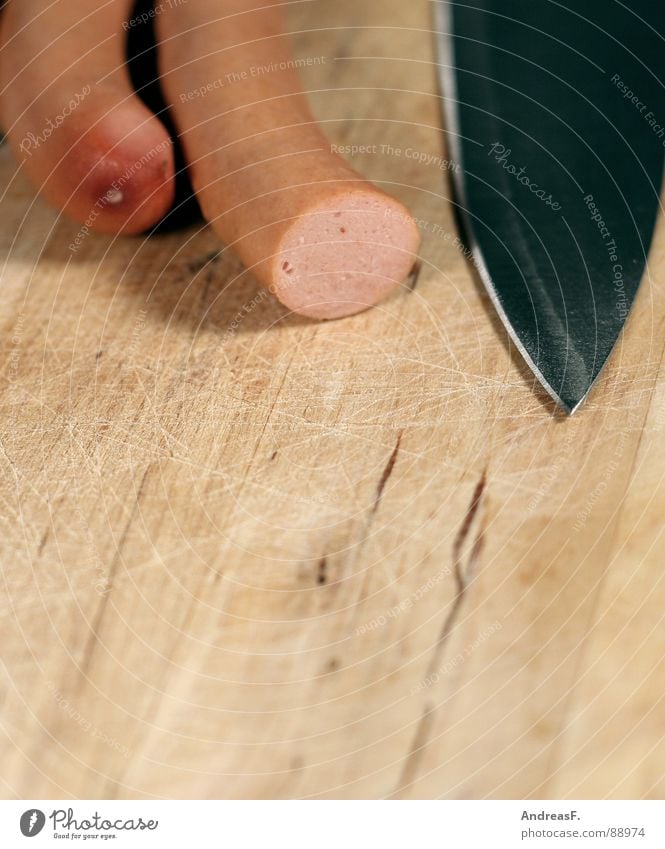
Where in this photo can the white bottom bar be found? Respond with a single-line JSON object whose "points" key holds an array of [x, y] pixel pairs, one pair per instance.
{"points": [[334, 825]]}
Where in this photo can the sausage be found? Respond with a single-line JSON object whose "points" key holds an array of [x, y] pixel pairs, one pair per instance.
{"points": [[325, 241], [83, 137]]}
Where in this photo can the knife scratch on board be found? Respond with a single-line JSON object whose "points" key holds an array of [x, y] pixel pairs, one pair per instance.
{"points": [[387, 471], [463, 574]]}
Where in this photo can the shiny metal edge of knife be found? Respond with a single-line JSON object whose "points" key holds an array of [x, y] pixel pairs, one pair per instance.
{"points": [[445, 61]]}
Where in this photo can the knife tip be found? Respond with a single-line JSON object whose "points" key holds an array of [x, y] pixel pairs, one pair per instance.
{"points": [[568, 405], [569, 402]]}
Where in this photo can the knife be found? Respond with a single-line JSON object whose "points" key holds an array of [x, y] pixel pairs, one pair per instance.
{"points": [[555, 116]]}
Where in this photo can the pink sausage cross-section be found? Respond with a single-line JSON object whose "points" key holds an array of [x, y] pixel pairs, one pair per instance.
{"points": [[325, 241]]}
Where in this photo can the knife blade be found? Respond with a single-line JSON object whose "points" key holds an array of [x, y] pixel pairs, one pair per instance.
{"points": [[555, 117]]}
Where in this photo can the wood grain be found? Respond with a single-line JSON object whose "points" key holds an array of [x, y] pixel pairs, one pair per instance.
{"points": [[249, 555]]}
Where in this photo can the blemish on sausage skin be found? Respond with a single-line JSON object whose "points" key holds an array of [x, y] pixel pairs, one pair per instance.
{"points": [[113, 197], [131, 210], [127, 192]]}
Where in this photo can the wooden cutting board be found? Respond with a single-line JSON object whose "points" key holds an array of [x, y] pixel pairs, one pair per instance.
{"points": [[249, 555]]}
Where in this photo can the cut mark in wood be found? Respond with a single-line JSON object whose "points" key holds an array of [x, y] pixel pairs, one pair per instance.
{"points": [[462, 575], [198, 264], [322, 575], [414, 274], [331, 666], [410, 767], [43, 540], [297, 764], [390, 465], [93, 637], [465, 527]]}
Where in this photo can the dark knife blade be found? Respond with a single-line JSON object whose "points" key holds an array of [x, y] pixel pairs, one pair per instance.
{"points": [[555, 113]]}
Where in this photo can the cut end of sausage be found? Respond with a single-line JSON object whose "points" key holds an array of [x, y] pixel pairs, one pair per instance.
{"points": [[345, 255]]}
